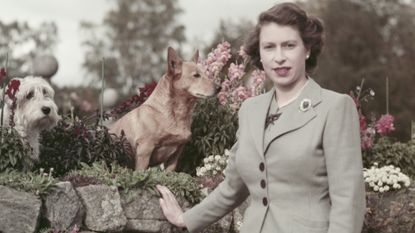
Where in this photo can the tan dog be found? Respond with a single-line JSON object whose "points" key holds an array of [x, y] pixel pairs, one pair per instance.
{"points": [[158, 129]]}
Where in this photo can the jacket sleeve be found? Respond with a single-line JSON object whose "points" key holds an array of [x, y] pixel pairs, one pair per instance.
{"points": [[341, 144], [229, 194]]}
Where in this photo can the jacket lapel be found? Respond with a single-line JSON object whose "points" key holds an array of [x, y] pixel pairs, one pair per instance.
{"points": [[257, 119], [293, 117]]}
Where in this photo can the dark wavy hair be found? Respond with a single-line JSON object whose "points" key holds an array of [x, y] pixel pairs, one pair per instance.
{"points": [[288, 14]]}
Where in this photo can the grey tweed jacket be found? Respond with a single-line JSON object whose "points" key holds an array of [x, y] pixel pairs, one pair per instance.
{"points": [[306, 179]]}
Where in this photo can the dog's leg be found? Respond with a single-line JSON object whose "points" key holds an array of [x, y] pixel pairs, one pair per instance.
{"points": [[143, 154], [171, 164]]}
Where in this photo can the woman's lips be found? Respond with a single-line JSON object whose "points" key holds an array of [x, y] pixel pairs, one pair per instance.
{"points": [[282, 71]]}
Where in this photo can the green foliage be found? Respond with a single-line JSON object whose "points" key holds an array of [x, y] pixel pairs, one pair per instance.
{"points": [[181, 184], [38, 184], [71, 143], [14, 154], [17, 35], [213, 131], [136, 36], [374, 36], [387, 152]]}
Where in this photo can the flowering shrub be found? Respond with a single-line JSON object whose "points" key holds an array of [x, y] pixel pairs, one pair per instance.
{"points": [[370, 129], [232, 81], [214, 120], [385, 178], [213, 165], [212, 172], [72, 143]]}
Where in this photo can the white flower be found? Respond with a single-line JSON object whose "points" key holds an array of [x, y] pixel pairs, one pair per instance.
{"points": [[208, 167], [217, 157], [206, 160], [305, 105], [376, 188]]}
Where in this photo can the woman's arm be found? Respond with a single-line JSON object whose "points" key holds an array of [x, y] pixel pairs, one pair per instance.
{"points": [[229, 194], [341, 144]]}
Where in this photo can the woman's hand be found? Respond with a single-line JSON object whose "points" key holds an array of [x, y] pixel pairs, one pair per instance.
{"points": [[170, 206]]}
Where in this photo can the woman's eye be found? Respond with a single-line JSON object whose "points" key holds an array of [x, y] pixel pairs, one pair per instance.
{"points": [[197, 75], [290, 46]]}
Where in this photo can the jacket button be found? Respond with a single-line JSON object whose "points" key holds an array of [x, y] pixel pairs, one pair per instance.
{"points": [[263, 184], [265, 201], [261, 167]]}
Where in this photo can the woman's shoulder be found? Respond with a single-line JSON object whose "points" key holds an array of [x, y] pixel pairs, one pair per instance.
{"points": [[336, 99], [253, 101]]}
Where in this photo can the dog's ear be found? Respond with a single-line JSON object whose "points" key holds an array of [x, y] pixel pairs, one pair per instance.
{"points": [[195, 57], [174, 63]]}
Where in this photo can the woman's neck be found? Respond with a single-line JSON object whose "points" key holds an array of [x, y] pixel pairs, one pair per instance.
{"points": [[286, 94]]}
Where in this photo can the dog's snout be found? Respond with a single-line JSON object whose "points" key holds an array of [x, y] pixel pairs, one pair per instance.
{"points": [[45, 110]]}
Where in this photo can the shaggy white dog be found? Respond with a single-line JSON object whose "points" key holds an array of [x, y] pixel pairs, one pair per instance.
{"points": [[35, 110]]}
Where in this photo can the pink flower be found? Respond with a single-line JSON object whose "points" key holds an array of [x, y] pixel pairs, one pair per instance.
{"points": [[367, 138], [235, 72], [385, 124], [226, 85], [362, 121], [240, 94], [222, 98], [217, 59], [258, 78]]}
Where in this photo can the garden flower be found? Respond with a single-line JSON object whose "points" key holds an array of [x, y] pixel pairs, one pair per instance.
{"points": [[12, 88], [213, 165], [2, 73], [385, 178], [235, 72], [217, 59], [385, 124], [367, 138], [257, 85]]}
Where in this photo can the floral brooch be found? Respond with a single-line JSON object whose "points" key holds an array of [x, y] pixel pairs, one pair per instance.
{"points": [[305, 105]]}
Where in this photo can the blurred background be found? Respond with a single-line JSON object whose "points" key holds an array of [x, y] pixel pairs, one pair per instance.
{"points": [[65, 41]]}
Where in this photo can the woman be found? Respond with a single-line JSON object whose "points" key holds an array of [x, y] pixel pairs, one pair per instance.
{"points": [[298, 150]]}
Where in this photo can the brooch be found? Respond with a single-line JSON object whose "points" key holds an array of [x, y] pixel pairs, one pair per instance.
{"points": [[305, 105]]}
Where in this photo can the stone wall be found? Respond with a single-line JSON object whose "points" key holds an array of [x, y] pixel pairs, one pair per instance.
{"points": [[93, 208], [101, 208]]}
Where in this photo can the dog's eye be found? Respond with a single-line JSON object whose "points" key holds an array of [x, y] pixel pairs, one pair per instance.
{"points": [[30, 95], [45, 93], [197, 75]]}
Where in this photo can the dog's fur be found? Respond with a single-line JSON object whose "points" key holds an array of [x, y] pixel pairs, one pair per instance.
{"points": [[158, 129], [35, 111]]}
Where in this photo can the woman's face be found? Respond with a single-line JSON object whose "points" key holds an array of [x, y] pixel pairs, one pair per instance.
{"points": [[283, 55]]}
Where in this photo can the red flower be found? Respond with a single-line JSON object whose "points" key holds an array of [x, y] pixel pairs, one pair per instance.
{"points": [[2, 73], [362, 121], [12, 88]]}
